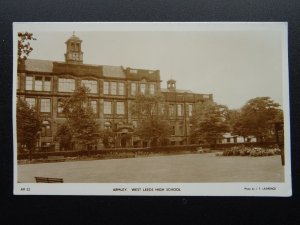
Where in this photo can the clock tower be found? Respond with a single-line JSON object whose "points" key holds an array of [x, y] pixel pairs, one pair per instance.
{"points": [[74, 54]]}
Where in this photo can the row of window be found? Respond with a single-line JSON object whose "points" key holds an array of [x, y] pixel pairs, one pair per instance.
{"points": [[172, 110], [39, 83], [45, 106]]}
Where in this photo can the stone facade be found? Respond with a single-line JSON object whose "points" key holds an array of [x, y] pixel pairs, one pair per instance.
{"points": [[44, 83]]}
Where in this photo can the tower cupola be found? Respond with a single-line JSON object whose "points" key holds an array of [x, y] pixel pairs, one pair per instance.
{"points": [[171, 85], [73, 53]]}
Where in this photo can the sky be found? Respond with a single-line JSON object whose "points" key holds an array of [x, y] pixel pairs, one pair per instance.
{"points": [[233, 64]]}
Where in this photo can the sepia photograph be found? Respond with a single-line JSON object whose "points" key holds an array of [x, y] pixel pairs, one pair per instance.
{"points": [[196, 109]]}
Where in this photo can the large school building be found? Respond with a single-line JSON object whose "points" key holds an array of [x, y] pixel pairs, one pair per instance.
{"points": [[43, 84]]}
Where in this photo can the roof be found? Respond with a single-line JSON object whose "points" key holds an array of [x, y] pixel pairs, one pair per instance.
{"points": [[177, 90], [113, 71], [74, 38], [39, 65]]}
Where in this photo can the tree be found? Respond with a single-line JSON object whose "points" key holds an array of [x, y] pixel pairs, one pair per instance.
{"points": [[258, 116], [64, 135], [153, 124], [24, 47], [81, 119], [209, 122], [28, 125]]}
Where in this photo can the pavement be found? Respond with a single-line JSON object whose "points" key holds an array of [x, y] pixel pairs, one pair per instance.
{"points": [[188, 168]]}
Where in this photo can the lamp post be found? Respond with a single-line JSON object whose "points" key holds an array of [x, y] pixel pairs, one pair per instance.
{"points": [[279, 127]]}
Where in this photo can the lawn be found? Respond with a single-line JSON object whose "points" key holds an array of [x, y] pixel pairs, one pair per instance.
{"points": [[186, 168]]}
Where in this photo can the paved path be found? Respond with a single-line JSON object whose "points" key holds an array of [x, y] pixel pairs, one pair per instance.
{"points": [[159, 169]]}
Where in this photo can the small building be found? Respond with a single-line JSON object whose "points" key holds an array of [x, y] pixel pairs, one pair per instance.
{"points": [[229, 138]]}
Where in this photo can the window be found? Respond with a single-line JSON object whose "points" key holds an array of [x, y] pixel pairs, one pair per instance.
{"points": [[94, 106], [38, 84], [134, 124], [143, 89], [29, 83], [45, 105], [30, 102], [121, 89], [152, 89], [180, 130], [120, 108], [113, 88], [171, 110], [190, 110], [60, 108], [47, 84], [18, 82], [172, 130], [46, 128], [133, 88], [179, 109], [66, 85], [91, 84], [107, 108], [106, 87]]}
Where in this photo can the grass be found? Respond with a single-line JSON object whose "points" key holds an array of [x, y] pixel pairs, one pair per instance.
{"points": [[186, 168]]}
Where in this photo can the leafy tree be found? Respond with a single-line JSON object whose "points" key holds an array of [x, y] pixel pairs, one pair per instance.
{"points": [[81, 119], [258, 116], [28, 125], [24, 47], [209, 122], [153, 124]]}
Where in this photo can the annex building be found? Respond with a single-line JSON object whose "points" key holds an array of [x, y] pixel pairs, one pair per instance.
{"points": [[43, 84]]}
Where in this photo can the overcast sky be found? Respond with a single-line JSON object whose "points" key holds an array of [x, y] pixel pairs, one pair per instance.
{"points": [[234, 65]]}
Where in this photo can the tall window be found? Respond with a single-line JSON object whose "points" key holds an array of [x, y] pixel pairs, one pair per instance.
{"points": [[94, 106], [29, 83], [38, 84], [171, 110], [107, 108], [45, 105], [180, 130], [120, 108], [172, 129], [152, 89], [18, 82], [66, 85], [143, 89], [179, 109], [121, 89], [47, 84], [31, 102], [133, 88], [106, 87], [91, 84], [60, 108], [113, 88], [190, 110]]}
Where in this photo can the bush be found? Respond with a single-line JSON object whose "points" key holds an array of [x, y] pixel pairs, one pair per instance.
{"points": [[254, 151]]}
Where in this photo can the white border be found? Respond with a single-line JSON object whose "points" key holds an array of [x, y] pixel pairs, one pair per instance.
{"points": [[186, 189]]}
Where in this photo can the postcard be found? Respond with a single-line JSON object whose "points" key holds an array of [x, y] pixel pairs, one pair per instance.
{"points": [[151, 109]]}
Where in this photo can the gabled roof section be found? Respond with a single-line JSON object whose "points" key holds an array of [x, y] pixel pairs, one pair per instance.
{"points": [[39, 65], [113, 71]]}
